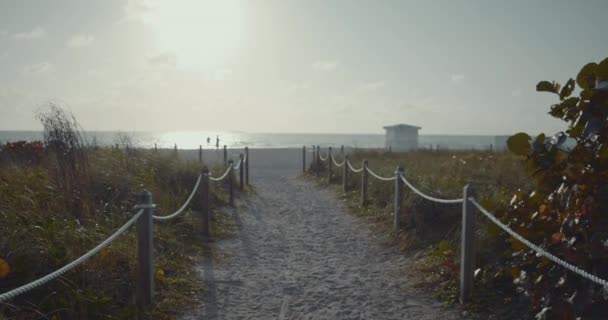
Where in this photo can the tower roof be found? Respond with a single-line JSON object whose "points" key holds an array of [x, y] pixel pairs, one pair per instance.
{"points": [[401, 125]]}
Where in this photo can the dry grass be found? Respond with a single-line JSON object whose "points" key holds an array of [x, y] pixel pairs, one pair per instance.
{"points": [[40, 233]]}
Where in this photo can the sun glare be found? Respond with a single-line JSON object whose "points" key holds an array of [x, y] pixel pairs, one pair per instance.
{"points": [[203, 34]]}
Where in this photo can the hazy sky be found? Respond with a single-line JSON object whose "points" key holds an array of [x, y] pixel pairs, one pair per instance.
{"points": [[461, 67]]}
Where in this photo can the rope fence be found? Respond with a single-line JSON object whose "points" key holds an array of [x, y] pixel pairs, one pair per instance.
{"points": [[379, 177], [426, 196], [144, 219], [59, 272], [469, 208], [186, 204]]}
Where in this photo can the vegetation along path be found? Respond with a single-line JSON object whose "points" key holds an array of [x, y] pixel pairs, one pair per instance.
{"points": [[298, 254]]}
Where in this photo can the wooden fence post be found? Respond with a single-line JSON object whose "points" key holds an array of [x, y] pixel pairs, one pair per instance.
{"points": [[345, 175], [145, 254], [155, 147], [304, 159], [175, 149], [231, 182], [398, 196], [246, 165], [200, 153], [314, 157], [318, 161], [342, 149], [364, 184], [205, 205], [242, 173], [225, 156], [467, 257], [330, 163]]}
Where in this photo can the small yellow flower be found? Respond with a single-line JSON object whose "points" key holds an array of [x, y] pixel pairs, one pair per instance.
{"points": [[5, 268]]}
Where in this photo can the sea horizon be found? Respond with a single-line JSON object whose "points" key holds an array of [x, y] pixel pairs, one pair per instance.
{"points": [[238, 139]]}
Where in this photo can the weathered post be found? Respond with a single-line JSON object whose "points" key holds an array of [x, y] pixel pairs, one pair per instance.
{"points": [[200, 153], [318, 161], [155, 147], [231, 182], [175, 149], [364, 184], [304, 159], [145, 253], [398, 197], [314, 158], [205, 205], [241, 173], [247, 165], [225, 156], [342, 149], [467, 256], [345, 175], [330, 163]]}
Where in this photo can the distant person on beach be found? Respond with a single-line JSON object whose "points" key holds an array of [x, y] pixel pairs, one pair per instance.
{"points": [[208, 140], [217, 142]]}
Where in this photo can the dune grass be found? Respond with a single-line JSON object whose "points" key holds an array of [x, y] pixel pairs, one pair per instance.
{"points": [[40, 232]]}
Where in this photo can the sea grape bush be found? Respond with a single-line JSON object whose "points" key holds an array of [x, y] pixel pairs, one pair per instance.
{"points": [[568, 211]]}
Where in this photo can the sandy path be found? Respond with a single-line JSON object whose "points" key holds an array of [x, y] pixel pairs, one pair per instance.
{"points": [[299, 255]]}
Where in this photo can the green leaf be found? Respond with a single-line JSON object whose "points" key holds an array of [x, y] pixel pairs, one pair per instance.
{"points": [[519, 143], [586, 77], [567, 89], [587, 94], [547, 86], [540, 138]]}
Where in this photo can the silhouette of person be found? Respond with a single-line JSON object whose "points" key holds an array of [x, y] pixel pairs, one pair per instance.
{"points": [[208, 140], [217, 142]]}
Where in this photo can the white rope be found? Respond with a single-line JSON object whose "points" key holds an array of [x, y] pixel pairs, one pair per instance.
{"points": [[336, 163], [427, 196], [380, 177], [538, 249], [352, 168], [183, 208], [223, 176], [51, 276], [238, 165], [322, 158]]}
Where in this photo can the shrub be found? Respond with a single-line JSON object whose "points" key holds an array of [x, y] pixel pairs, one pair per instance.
{"points": [[567, 212]]}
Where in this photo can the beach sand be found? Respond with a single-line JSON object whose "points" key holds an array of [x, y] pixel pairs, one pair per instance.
{"points": [[298, 254]]}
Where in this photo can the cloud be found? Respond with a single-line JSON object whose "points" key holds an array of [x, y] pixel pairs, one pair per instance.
{"points": [[37, 68], [37, 32], [297, 87], [516, 92], [136, 9], [222, 74], [372, 86], [3, 33], [457, 78], [80, 40], [325, 65], [165, 59]]}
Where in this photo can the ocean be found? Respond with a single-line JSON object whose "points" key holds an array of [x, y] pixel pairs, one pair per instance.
{"points": [[192, 139]]}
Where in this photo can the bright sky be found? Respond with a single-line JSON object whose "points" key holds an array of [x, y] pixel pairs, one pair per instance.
{"points": [[344, 66]]}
